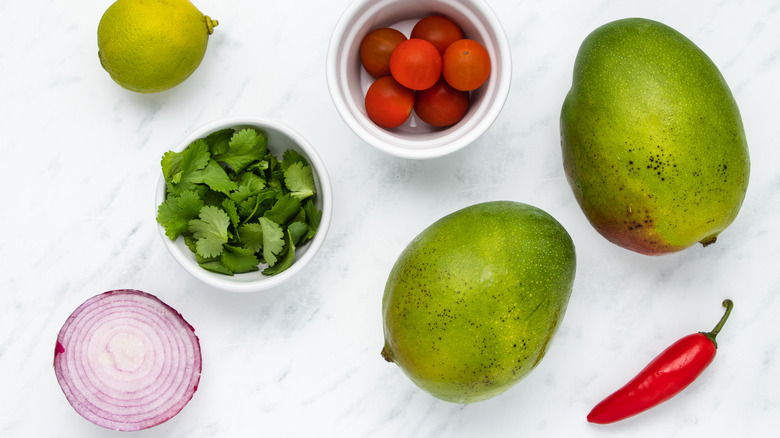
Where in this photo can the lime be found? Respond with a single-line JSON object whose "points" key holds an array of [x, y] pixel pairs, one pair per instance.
{"points": [[152, 45]]}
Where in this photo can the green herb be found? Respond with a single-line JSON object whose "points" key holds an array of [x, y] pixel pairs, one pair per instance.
{"points": [[236, 205]]}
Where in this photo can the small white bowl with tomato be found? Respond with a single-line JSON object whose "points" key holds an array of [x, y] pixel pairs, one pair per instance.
{"points": [[419, 79]]}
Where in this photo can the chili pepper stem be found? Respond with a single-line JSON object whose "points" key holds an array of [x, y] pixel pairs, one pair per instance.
{"points": [[728, 304]]}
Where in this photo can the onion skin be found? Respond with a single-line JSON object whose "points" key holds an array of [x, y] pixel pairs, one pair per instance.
{"points": [[127, 361]]}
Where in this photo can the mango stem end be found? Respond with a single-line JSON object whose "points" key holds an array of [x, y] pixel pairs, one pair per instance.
{"points": [[709, 241], [387, 355]]}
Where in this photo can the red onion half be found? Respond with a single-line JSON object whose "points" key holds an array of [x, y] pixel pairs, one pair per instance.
{"points": [[127, 361]]}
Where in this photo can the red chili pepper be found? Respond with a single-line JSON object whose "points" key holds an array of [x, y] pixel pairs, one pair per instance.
{"points": [[663, 378]]}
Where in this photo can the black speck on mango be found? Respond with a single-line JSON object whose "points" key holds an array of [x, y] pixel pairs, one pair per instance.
{"points": [[472, 303], [653, 143]]}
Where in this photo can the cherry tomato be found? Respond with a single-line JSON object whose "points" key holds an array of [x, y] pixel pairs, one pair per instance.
{"points": [[416, 64], [466, 65], [437, 30], [441, 105], [388, 103], [375, 50]]}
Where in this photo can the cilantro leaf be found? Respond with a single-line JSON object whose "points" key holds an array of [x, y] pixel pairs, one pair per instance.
{"points": [[286, 261], [299, 180], [217, 179], [256, 205], [239, 259], [176, 211], [252, 236], [215, 266], [241, 194], [183, 169], [283, 210], [243, 139], [313, 218], [245, 147], [258, 166], [254, 182], [211, 231], [248, 208], [218, 141], [273, 240], [232, 211], [298, 230], [291, 156]]}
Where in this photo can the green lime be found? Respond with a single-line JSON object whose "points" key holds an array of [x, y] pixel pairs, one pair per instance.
{"points": [[152, 45]]}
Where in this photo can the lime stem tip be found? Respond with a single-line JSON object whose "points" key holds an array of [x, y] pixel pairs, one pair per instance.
{"points": [[211, 24]]}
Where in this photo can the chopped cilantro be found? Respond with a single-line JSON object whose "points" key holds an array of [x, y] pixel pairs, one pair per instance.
{"points": [[236, 205], [210, 231], [185, 168], [299, 180], [238, 259], [297, 231], [217, 178], [252, 236], [284, 209], [177, 210], [245, 147], [287, 259], [272, 240]]}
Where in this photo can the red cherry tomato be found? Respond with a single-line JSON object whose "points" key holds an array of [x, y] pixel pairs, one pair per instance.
{"points": [[441, 105], [416, 64], [437, 30], [388, 103], [466, 65], [375, 50]]}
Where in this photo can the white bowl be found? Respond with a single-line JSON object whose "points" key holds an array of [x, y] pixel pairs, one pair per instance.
{"points": [[280, 138], [348, 80]]}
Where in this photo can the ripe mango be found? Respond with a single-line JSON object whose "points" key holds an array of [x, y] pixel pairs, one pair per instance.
{"points": [[472, 303], [653, 143]]}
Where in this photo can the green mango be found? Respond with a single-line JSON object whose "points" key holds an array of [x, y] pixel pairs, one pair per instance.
{"points": [[472, 303], [653, 143]]}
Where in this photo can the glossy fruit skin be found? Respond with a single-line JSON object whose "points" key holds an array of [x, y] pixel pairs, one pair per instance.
{"points": [[472, 303], [466, 64], [437, 30], [376, 48], [652, 139], [388, 103], [664, 377], [441, 105], [148, 47], [416, 64]]}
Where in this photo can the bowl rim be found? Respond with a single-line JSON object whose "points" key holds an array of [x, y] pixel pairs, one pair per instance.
{"points": [[420, 149], [225, 282]]}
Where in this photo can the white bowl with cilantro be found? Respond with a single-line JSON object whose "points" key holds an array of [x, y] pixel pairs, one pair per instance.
{"points": [[243, 204]]}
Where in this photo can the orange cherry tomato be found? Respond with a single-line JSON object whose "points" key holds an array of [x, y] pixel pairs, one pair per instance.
{"points": [[388, 103], [441, 105], [375, 50], [466, 65], [437, 30], [416, 64]]}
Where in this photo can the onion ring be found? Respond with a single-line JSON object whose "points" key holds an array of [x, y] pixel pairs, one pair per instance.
{"points": [[127, 361]]}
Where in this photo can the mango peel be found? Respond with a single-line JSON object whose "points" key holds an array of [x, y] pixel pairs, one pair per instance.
{"points": [[652, 139], [472, 303]]}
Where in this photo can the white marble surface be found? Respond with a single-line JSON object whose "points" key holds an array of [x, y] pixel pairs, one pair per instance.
{"points": [[79, 161]]}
